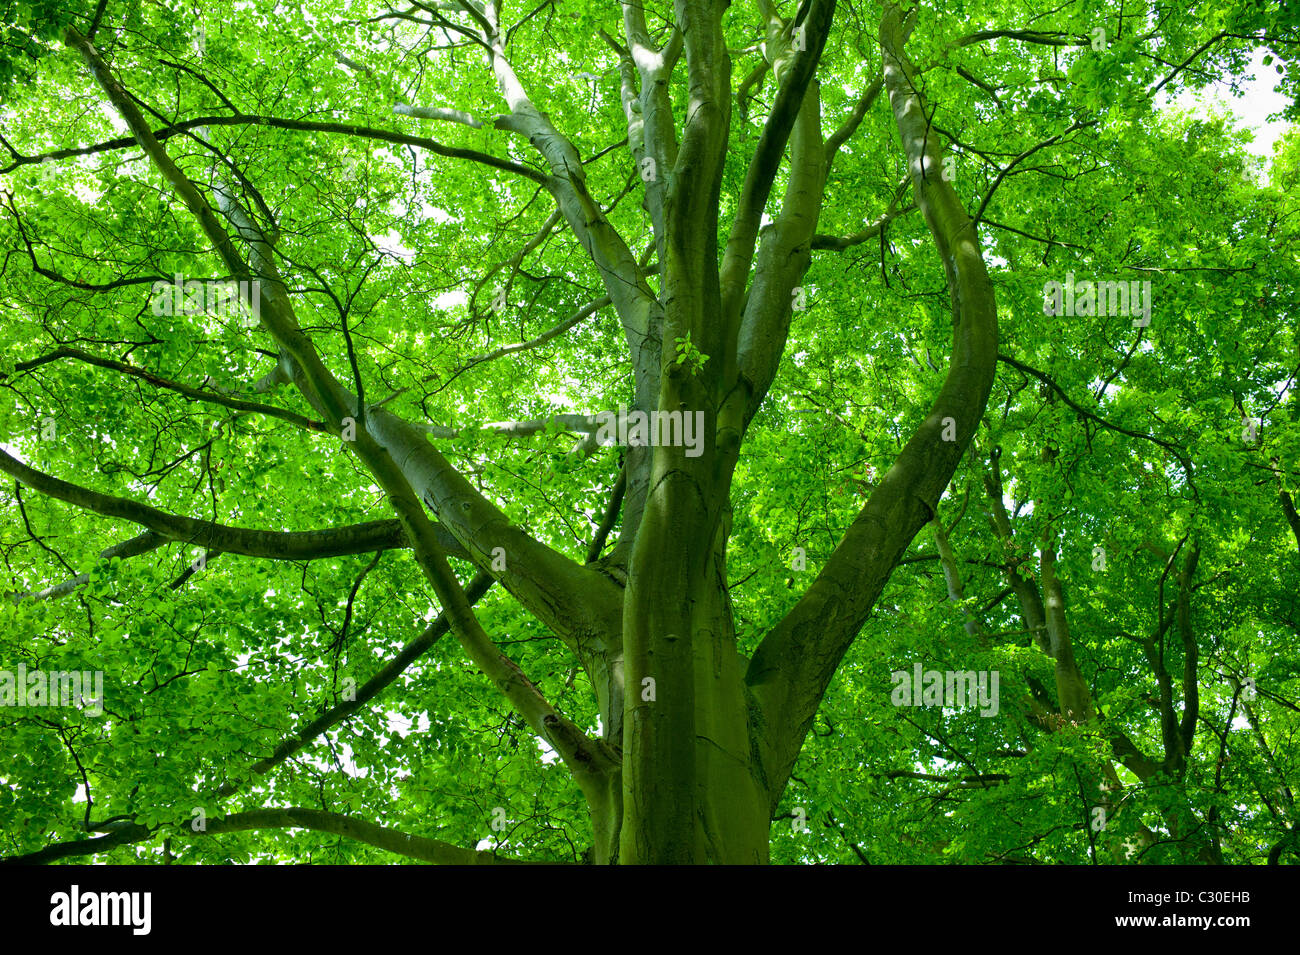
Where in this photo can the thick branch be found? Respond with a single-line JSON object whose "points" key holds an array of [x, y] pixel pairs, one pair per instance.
{"points": [[795, 662], [766, 161], [275, 545], [542, 579], [349, 827]]}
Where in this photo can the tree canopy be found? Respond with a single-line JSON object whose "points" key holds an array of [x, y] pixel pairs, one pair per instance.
{"points": [[959, 352]]}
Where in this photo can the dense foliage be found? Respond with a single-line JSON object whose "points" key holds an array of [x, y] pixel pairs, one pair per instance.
{"points": [[1118, 541]]}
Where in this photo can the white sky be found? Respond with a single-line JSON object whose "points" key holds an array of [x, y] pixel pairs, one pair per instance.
{"points": [[1252, 110]]}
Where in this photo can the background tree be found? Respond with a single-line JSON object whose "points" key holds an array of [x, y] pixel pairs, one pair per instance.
{"points": [[464, 231]]}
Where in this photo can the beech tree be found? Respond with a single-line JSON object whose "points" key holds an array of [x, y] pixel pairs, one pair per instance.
{"points": [[581, 432]]}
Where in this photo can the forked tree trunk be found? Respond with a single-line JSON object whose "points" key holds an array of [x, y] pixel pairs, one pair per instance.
{"points": [[699, 743]]}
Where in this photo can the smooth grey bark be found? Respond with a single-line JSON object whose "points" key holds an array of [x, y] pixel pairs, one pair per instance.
{"points": [[795, 662]]}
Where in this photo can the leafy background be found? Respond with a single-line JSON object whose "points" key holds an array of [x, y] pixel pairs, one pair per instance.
{"points": [[205, 678]]}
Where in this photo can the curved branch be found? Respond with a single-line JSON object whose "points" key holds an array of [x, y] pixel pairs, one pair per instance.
{"points": [[299, 125], [796, 660], [853, 120], [349, 827], [837, 243], [440, 113], [140, 544], [198, 394], [476, 588], [1006, 170], [361, 538], [1047, 380], [1043, 38]]}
